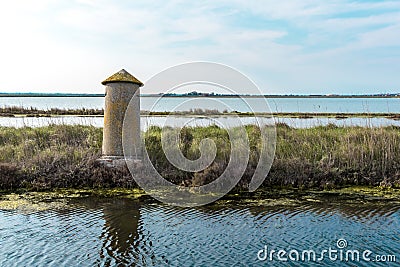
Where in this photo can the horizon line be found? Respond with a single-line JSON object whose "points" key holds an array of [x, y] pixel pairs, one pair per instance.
{"points": [[199, 94]]}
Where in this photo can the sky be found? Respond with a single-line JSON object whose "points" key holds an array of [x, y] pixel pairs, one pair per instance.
{"points": [[285, 47]]}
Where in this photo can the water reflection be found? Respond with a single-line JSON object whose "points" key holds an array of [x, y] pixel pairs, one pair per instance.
{"points": [[120, 230], [112, 232], [120, 237]]}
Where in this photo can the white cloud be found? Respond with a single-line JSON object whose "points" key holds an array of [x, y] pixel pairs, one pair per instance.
{"points": [[302, 44], [344, 24], [388, 36]]}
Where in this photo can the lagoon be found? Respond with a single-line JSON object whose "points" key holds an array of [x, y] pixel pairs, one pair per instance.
{"points": [[179, 121], [281, 105], [285, 105], [96, 231]]}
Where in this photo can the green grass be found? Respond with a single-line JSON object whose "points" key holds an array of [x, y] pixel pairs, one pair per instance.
{"points": [[325, 157]]}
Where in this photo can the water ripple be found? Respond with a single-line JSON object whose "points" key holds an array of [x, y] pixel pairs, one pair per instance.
{"points": [[110, 232]]}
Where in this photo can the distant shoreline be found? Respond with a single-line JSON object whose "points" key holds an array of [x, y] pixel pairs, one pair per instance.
{"points": [[14, 111], [203, 95]]}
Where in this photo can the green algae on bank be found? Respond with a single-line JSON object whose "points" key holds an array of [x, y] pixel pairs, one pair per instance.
{"points": [[98, 192], [293, 197], [379, 192], [58, 199], [29, 202]]}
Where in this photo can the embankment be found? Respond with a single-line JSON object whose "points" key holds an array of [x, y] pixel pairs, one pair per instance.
{"points": [[328, 157]]}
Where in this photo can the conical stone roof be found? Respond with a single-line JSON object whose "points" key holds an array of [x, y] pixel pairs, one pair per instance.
{"points": [[122, 76]]}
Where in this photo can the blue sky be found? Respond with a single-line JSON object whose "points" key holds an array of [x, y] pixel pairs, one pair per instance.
{"points": [[285, 47]]}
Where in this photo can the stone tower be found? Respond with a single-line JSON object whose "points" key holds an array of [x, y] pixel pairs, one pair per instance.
{"points": [[121, 88]]}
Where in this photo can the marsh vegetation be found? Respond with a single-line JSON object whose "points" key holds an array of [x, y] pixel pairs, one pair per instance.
{"points": [[12, 111], [325, 157]]}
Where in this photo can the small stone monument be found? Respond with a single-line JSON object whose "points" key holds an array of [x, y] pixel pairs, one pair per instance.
{"points": [[121, 88]]}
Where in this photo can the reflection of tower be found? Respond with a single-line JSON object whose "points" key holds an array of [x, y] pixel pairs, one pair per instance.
{"points": [[120, 231], [122, 91]]}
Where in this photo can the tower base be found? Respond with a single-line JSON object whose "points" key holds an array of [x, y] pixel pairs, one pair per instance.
{"points": [[116, 161]]}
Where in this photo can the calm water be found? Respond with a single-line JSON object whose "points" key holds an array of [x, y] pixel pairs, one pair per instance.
{"points": [[107, 232], [176, 121], [345, 105]]}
